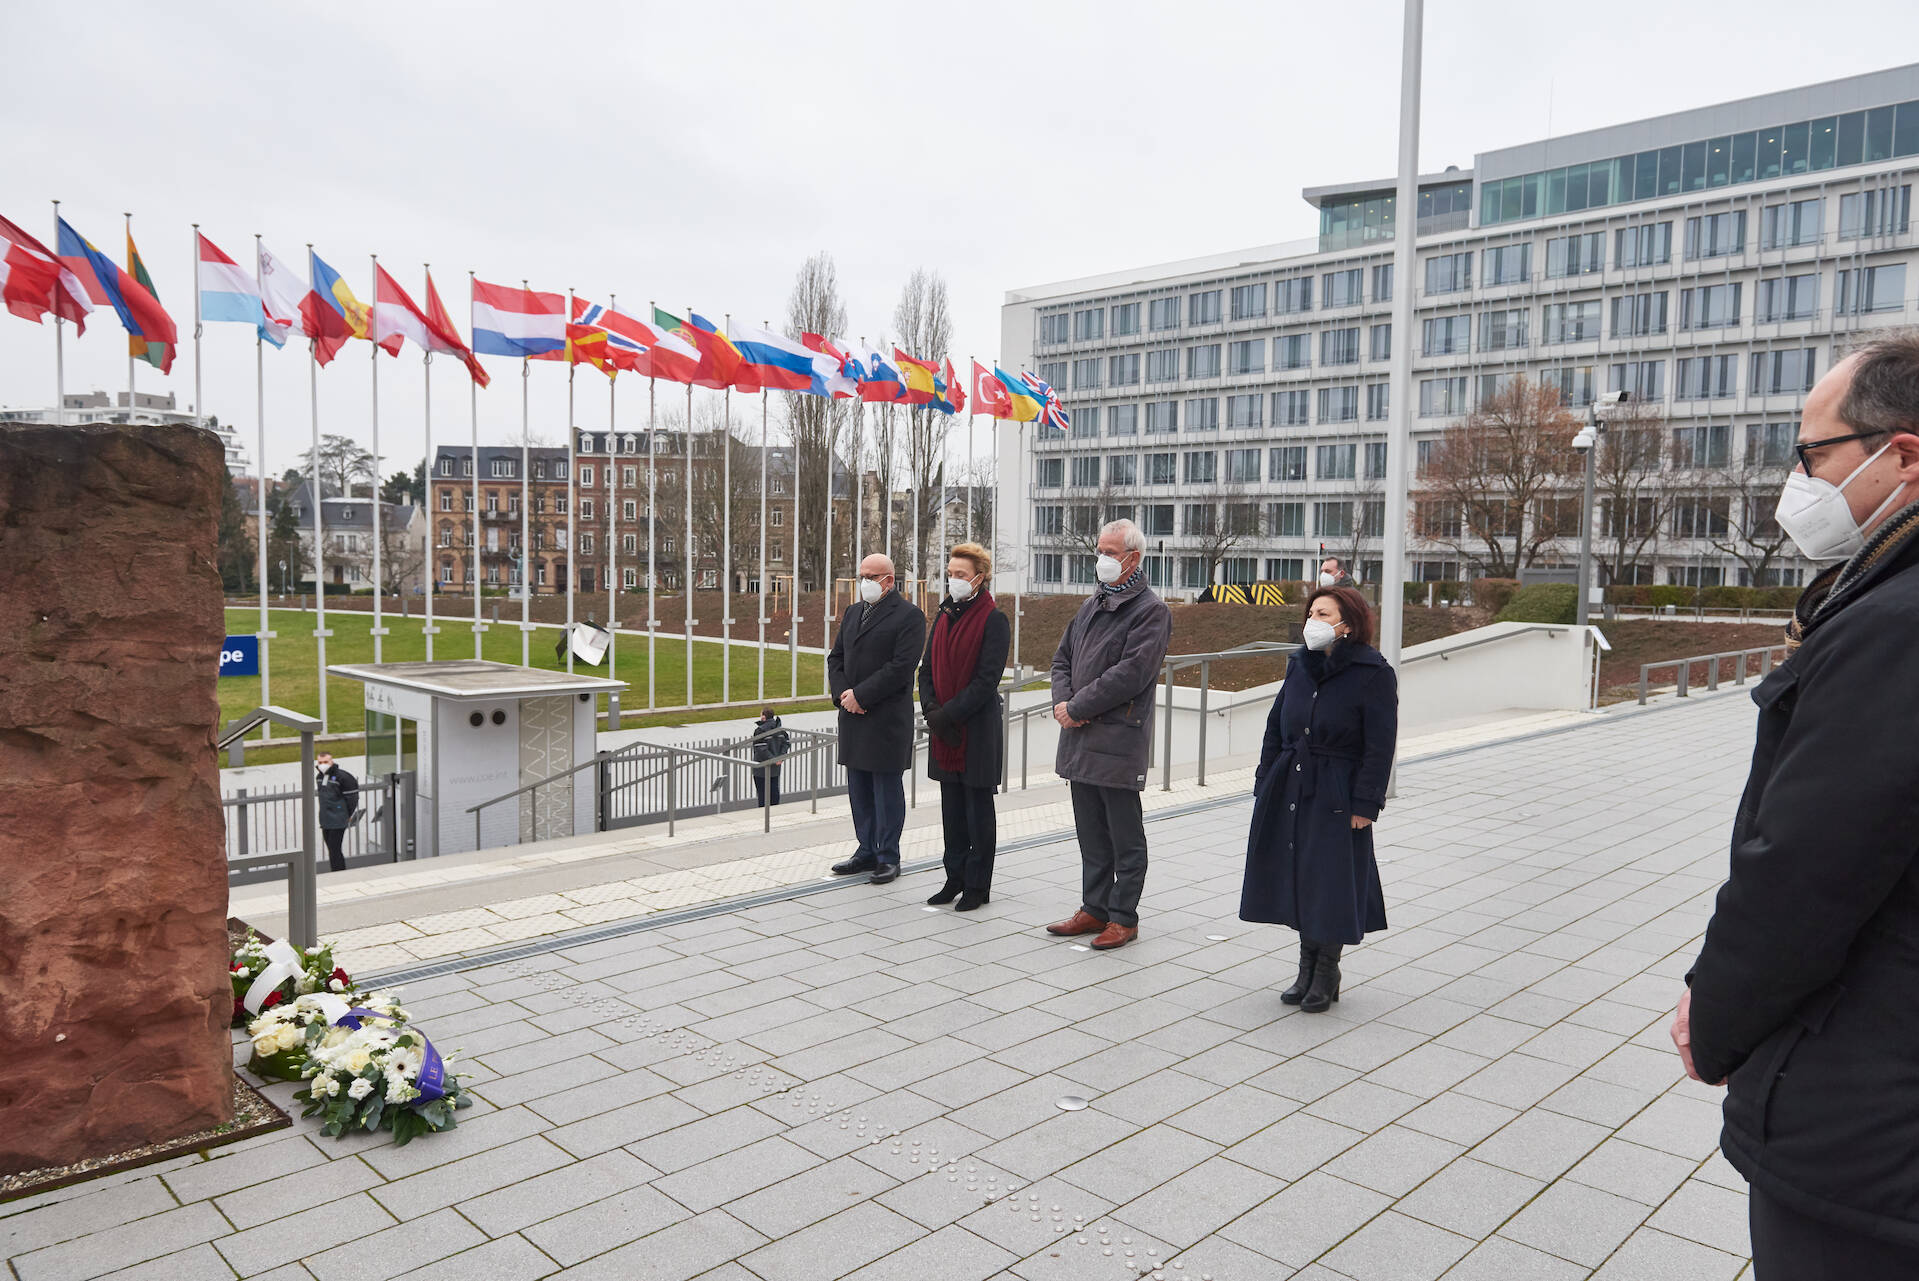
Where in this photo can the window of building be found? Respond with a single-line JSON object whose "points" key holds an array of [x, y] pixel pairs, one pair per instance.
{"points": [[1575, 384], [1287, 462], [1124, 370], [629, 476], [1242, 466], [1336, 462], [1770, 444], [1238, 569], [1339, 404], [1575, 255], [1449, 273], [1884, 211], [1162, 366], [1162, 416], [1053, 329], [1049, 567], [1293, 295], [1380, 338], [1647, 245], [1122, 420], [1700, 516], [1644, 380], [1378, 401], [1781, 373], [1291, 408], [1292, 351], [1863, 289], [1201, 519], [1639, 315], [1286, 520], [1089, 323], [1245, 411], [1333, 520], [1436, 518], [1787, 298], [1489, 387], [1716, 235], [1570, 322], [1122, 469], [1507, 265], [1249, 301], [446, 500], [1502, 330], [1049, 473], [629, 543], [1086, 471], [1383, 283], [502, 467], [1246, 357], [1341, 288], [1201, 467], [1375, 460], [1442, 396], [586, 508], [1705, 377], [1339, 346], [1285, 569], [1086, 373], [1696, 447], [1163, 314], [1158, 520], [1047, 519], [1053, 373], [1125, 318], [1162, 469], [1203, 308], [1445, 335], [628, 510], [1797, 222], [1202, 414], [1203, 361], [1709, 307], [1086, 420], [1192, 571]]}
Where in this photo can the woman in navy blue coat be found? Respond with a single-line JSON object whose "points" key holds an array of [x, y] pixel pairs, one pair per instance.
{"points": [[1320, 784]]}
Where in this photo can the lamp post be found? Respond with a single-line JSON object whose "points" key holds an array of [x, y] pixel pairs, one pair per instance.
{"points": [[283, 578], [1587, 443]]}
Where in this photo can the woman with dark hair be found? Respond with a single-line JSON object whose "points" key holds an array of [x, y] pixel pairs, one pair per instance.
{"points": [[1320, 784], [959, 696]]}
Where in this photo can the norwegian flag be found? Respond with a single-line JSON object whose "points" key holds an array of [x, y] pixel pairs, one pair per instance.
{"points": [[33, 282]]}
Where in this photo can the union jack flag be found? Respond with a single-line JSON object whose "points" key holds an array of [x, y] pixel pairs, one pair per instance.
{"points": [[1052, 413]]}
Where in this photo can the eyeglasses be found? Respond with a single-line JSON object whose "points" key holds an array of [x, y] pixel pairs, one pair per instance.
{"points": [[1805, 450]]}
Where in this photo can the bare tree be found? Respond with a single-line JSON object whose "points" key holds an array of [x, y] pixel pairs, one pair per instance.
{"points": [[343, 465], [924, 321], [711, 492], [1629, 483], [1751, 488], [1480, 494], [402, 557], [817, 424], [1368, 525]]}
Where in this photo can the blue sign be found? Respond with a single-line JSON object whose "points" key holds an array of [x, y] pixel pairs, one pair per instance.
{"points": [[240, 656]]}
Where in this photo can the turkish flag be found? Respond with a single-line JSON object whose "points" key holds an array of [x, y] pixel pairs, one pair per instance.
{"points": [[989, 394]]}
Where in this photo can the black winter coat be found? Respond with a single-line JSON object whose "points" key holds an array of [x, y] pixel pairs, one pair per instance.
{"points": [[770, 740], [1327, 756], [874, 655], [1806, 990], [976, 708], [337, 796]]}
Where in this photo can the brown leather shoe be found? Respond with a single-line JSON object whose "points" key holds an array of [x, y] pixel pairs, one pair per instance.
{"points": [[1115, 935], [1080, 922]]}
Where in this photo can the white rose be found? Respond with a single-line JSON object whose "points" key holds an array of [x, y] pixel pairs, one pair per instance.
{"points": [[360, 1088], [243, 973], [289, 1038], [355, 1060], [336, 985]]}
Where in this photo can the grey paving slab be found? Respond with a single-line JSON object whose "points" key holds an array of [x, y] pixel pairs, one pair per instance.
{"points": [[119, 1247], [1650, 1255], [397, 1251], [1576, 1222], [834, 1247], [603, 1225], [1306, 1219], [674, 1253], [1394, 1247], [298, 1236], [1193, 1205]]}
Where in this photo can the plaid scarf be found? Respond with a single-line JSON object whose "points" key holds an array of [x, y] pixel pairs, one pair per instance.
{"points": [[1839, 585], [1114, 589]]}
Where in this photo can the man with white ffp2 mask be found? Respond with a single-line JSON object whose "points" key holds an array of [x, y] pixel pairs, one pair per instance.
{"points": [[870, 671], [1804, 999]]}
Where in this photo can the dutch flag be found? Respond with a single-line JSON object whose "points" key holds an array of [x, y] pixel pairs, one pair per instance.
{"points": [[518, 322]]}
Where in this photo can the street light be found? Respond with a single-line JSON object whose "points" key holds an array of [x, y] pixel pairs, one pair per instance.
{"points": [[283, 578], [1587, 443]]}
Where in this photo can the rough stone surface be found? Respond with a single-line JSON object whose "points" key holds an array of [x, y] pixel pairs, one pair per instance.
{"points": [[112, 881]]}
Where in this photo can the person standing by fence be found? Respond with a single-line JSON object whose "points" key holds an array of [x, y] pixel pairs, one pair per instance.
{"points": [[959, 696], [338, 796], [1321, 781], [870, 670], [770, 743]]}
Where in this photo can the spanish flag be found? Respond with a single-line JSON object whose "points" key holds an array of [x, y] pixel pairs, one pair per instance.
{"points": [[921, 377]]}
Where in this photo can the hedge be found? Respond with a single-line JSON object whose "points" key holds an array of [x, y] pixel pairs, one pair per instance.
{"points": [[1494, 593], [1451, 589], [1658, 597], [1542, 603]]}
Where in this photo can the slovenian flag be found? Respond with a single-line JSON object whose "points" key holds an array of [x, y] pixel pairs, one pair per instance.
{"points": [[518, 322], [227, 293], [882, 383], [139, 311]]}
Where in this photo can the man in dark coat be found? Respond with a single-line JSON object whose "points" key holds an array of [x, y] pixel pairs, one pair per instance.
{"points": [[1333, 574], [770, 743], [1804, 999], [1103, 695], [870, 671], [336, 796]]}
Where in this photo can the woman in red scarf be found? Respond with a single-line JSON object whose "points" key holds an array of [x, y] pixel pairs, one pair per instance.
{"points": [[959, 696]]}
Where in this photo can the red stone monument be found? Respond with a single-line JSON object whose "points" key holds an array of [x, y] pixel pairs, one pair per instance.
{"points": [[114, 996]]}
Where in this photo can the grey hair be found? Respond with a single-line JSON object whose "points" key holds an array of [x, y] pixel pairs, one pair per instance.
{"points": [[1131, 537], [1883, 396]]}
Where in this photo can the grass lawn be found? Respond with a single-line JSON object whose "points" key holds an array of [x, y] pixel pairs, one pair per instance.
{"points": [[295, 672]]}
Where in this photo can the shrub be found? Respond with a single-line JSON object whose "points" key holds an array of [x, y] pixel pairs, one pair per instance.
{"points": [[1451, 589], [1494, 594], [1542, 603]]}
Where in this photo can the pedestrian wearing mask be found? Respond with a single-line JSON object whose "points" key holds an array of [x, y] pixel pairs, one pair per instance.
{"points": [[870, 671], [1804, 999], [337, 797], [959, 696], [1332, 574], [1321, 781]]}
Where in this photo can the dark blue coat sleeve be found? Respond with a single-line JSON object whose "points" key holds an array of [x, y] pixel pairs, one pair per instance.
{"points": [[1379, 728]]}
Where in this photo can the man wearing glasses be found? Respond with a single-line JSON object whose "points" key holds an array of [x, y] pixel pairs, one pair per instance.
{"points": [[1804, 1000], [870, 671]]}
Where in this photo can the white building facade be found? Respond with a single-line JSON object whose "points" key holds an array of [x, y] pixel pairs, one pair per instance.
{"points": [[1713, 263]]}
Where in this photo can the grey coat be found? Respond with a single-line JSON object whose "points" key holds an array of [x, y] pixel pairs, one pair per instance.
{"points": [[1104, 671], [874, 655]]}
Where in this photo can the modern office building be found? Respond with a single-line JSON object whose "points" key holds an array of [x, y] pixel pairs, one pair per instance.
{"points": [[1713, 263], [146, 407]]}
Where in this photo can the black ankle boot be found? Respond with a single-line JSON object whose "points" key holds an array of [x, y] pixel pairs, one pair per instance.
{"points": [[1308, 954], [1325, 988], [948, 892], [972, 899]]}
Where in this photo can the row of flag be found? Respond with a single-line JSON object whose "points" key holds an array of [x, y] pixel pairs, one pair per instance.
{"points": [[75, 278]]}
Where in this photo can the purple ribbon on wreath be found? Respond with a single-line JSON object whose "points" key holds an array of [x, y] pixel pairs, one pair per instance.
{"points": [[431, 1078]]}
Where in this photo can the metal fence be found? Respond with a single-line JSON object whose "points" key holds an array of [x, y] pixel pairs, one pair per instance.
{"points": [[1740, 658], [297, 861], [268, 822]]}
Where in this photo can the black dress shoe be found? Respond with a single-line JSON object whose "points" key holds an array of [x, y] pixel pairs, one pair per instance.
{"points": [[948, 892], [972, 899], [853, 866], [885, 874]]}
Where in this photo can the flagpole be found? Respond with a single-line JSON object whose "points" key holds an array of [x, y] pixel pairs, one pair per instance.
{"points": [[889, 482], [686, 552], [972, 445], [196, 308], [726, 537], [826, 574], [612, 511], [59, 340], [526, 506], [479, 628], [794, 617], [571, 461], [427, 567], [318, 489], [652, 542], [764, 398], [265, 633], [379, 584]]}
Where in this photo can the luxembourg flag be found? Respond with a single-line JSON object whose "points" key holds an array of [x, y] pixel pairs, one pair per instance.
{"points": [[779, 363], [227, 293], [518, 322]]}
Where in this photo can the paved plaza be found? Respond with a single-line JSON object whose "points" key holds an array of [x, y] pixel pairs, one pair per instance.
{"points": [[848, 1084]]}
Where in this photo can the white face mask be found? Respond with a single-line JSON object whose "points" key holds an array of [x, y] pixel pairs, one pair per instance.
{"points": [[870, 591], [1318, 633], [1326, 579], [1815, 515], [1107, 568], [959, 588]]}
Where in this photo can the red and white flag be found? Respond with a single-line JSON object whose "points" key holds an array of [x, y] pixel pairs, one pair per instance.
{"points": [[396, 318], [989, 393], [445, 337], [33, 282]]}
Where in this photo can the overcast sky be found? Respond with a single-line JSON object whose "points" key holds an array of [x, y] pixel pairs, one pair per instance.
{"points": [[696, 154]]}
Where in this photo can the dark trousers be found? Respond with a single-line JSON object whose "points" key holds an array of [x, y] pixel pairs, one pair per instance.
{"points": [[765, 781], [879, 812], [1112, 851], [972, 834], [1790, 1246], [336, 861]]}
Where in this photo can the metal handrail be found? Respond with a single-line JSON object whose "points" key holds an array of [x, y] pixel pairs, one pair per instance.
{"points": [[1446, 654], [303, 894], [1684, 666]]}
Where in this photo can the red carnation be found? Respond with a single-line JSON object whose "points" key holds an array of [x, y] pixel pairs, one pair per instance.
{"points": [[272, 1000]]}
